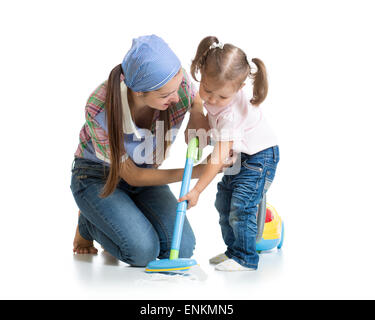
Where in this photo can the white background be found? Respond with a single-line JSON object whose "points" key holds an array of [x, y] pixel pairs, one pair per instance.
{"points": [[320, 60]]}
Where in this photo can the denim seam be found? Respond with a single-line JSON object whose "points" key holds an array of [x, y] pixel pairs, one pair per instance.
{"points": [[94, 170], [272, 167], [274, 154]]}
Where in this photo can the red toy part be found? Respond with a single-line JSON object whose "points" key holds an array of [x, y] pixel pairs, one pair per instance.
{"points": [[269, 215]]}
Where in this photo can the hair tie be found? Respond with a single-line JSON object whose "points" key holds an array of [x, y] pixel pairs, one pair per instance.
{"points": [[216, 45]]}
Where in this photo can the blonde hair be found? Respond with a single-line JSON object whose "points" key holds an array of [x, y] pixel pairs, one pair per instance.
{"points": [[229, 63]]}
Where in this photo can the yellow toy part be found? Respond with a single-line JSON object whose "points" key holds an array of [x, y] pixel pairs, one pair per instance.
{"points": [[272, 227], [273, 232]]}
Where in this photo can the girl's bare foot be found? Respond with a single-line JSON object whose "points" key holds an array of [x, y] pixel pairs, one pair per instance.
{"points": [[81, 245]]}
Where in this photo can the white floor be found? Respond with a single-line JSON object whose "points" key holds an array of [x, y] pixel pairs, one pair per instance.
{"points": [[310, 266], [282, 275]]}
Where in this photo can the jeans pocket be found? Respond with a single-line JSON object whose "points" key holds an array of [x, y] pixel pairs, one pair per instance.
{"points": [[82, 179], [253, 167]]}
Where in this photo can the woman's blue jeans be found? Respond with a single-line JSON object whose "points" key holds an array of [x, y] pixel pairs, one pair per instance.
{"points": [[134, 224], [237, 202]]}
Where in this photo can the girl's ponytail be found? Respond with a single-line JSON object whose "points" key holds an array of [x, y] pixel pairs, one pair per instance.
{"points": [[260, 83], [201, 55], [113, 107]]}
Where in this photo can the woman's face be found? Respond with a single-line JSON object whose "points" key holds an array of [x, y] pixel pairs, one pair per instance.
{"points": [[162, 98]]}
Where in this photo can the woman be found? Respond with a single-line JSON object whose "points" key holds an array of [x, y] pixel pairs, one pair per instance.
{"points": [[128, 208]]}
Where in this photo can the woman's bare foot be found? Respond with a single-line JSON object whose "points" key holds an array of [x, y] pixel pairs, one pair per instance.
{"points": [[81, 245]]}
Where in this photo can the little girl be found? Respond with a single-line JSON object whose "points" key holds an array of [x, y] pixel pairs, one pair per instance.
{"points": [[238, 126]]}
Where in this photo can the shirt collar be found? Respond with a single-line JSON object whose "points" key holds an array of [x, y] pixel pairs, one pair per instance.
{"points": [[128, 124]]}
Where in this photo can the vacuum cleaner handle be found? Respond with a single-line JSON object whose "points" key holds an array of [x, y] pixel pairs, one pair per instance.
{"points": [[191, 156], [261, 217]]}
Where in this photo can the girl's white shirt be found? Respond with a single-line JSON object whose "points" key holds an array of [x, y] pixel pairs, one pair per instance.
{"points": [[242, 123]]}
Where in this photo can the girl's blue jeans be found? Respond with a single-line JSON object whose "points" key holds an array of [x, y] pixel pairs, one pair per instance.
{"points": [[237, 199], [134, 224]]}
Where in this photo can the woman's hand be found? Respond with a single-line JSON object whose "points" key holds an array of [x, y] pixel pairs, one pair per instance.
{"points": [[191, 197]]}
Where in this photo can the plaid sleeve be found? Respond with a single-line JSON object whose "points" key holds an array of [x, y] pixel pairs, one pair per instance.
{"points": [[99, 139], [99, 136], [189, 88], [186, 93]]}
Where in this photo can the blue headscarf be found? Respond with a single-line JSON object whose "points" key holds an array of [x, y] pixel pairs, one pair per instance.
{"points": [[149, 64]]}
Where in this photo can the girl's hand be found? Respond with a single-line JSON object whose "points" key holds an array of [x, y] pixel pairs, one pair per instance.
{"points": [[230, 160], [191, 197]]}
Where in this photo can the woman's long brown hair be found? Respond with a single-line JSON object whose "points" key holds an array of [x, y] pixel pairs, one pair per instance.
{"points": [[114, 113], [228, 64], [113, 107]]}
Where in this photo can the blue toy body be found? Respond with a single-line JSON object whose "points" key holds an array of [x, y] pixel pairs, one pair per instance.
{"points": [[272, 236]]}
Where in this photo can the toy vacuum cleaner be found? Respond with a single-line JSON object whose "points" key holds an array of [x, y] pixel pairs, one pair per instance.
{"points": [[174, 263], [270, 228]]}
